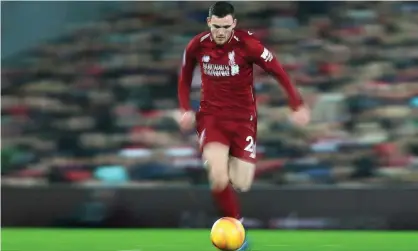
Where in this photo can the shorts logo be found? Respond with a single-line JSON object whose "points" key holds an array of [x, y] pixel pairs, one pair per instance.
{"points": [[202, 138], [205, 59]]}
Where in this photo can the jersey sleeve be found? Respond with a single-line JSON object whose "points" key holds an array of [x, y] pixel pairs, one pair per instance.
{"points": [[264, 58], [186, 74]]}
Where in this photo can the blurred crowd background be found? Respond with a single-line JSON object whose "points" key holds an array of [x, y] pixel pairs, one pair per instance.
{"points": [[97, 103]]}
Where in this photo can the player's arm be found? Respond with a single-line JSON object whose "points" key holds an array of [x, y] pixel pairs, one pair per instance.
{"points": [[184, 85], [268, 62], [186, 76]]}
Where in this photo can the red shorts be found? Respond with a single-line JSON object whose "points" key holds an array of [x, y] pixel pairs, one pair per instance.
{"points": [[239, 135]]}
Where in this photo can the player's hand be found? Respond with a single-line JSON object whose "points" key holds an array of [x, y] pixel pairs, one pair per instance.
{"points": [[187, 120], [301, 116]]}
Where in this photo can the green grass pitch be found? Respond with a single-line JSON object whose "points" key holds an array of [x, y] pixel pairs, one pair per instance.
{"points": [[198, 240]]}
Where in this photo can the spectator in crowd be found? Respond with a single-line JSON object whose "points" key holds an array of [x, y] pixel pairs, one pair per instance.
{"points": [[99, 106]]}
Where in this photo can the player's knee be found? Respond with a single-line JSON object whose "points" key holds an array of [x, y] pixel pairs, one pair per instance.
{"points": [[242, 184], [216, 155], [218, 180], [218, 177], [241, 174]]}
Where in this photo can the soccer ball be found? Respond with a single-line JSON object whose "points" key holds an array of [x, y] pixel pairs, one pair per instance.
{"points": [[227, 234]]}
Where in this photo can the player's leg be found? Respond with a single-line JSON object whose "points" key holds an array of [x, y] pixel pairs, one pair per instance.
{"points": [[215, 147], [243, 156], [241, 173], [242, 161], [216, 155]]}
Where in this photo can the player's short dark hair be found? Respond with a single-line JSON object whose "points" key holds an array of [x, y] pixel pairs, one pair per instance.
{"points": [[222, 9]]}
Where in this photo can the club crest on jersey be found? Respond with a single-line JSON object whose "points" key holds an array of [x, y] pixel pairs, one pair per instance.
{"points": [[231, 57], [205, 59], [234, 66]]}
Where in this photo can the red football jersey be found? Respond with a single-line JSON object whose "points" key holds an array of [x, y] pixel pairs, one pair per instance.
{"points": [[227, 74]]}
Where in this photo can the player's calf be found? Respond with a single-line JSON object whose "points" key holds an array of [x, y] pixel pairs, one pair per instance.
{"points": [[241, 174]]}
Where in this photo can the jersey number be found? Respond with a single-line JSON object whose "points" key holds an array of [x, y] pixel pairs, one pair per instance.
{"points": [[251, 146]]}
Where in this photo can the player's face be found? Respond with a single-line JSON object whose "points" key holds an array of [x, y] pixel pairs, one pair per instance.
{"points": [[221, 28]]}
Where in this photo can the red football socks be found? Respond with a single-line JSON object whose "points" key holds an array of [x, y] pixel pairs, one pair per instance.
{"points": [[227, 201]]}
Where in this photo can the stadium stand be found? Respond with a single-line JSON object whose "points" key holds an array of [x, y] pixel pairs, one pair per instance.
{"points": [[99, 106]]}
